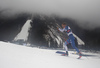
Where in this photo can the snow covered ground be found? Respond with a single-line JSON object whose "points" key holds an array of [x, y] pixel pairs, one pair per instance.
{"points": [[16, 56]]}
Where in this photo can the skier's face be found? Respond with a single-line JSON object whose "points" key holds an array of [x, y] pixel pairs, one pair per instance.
{"points": [[63, 25]]}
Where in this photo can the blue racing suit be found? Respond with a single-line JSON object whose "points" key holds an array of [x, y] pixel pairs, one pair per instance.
{"points": [[71, 38]]}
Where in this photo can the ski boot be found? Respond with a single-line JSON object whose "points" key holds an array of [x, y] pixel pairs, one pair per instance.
{"points": [[80, 55], [66, 54]]}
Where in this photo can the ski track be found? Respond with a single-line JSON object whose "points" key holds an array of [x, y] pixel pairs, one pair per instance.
{"points": [[16, 56]]}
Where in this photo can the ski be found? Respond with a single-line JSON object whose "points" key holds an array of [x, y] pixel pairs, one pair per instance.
{"points": [[79, 57], [64, 55]]}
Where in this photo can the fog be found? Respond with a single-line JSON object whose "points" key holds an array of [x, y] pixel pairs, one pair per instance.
{"points": [[85, 12]]}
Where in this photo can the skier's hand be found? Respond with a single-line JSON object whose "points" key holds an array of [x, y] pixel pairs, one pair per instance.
{"points": [[57, 28], [65, 39]]}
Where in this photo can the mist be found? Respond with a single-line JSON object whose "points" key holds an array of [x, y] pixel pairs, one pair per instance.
{"points": [[85, 12]]}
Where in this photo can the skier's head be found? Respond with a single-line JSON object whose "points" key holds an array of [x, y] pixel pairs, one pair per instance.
{"points": [[63, 24]]}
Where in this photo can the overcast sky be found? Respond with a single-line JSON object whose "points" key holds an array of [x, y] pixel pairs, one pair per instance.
{"points": [[80, 10]]}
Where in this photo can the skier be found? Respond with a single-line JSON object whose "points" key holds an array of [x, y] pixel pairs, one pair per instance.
{"points": [[71, 38]]}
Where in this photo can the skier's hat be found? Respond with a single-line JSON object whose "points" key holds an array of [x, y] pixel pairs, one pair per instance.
{"points": [[64, 23]]}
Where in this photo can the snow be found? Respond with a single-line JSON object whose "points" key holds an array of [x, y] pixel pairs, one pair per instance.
{"points": [[16, 56], [80, 42], [23, 34]]}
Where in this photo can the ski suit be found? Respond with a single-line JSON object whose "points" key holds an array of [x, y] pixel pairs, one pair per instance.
{"points": [[71, 38]]}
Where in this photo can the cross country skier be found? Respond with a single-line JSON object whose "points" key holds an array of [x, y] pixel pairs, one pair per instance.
{"points": [[71, 39]]}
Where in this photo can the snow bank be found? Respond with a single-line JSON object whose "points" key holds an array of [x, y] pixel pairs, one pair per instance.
{"points": [[23, 34], [16, 56]]}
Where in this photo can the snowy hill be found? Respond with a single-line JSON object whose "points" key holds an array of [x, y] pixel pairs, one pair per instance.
{"points": [[15, 56], [44, 31]]}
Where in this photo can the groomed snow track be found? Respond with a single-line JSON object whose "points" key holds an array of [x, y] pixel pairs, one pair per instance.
{"points": [[16, 56]]}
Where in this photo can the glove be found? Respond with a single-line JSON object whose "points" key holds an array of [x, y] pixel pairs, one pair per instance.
{"points": [[57, 28], [65, 39]]}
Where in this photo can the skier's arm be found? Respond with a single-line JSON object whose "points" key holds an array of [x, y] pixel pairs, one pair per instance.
{"points": [[62, 30]]}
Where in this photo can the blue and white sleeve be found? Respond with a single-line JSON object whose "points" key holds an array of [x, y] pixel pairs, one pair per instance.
{"points": [[62, 30]]}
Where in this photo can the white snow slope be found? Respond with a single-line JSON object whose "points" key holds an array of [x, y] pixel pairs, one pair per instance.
{"points": [[23, 34], [16, 56]]}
